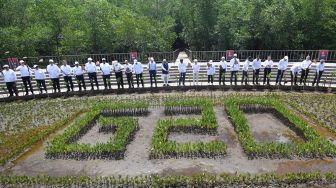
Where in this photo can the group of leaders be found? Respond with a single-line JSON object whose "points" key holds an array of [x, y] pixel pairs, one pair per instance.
{"points": [[136, 68]]}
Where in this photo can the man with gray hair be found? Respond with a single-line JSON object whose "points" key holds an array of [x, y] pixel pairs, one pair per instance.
{"points": [[91, 69], [54, 73], [25, 76], [165, 72]]}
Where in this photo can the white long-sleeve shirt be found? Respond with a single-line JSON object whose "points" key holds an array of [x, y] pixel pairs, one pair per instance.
{"points": [[138, 68], [78, 70], [320, 67], [182, 67], [256, 64], [306, 64], [53, 71], [234, 64], [9, 76], [90, 67], [246, 65], [295, 68], [151, 66], [66, 70], [283, 64], [105, 68], [128, 68], [39, 74], [196, 68], [223, 64], [211, 70], [24, 70], [268, 63], [117, 67]]}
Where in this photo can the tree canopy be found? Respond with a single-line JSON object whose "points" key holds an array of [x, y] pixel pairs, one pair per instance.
{"points": [[55, 27]]}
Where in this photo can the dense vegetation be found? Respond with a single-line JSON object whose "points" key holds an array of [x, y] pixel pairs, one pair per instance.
{"points": [[51, 27]]}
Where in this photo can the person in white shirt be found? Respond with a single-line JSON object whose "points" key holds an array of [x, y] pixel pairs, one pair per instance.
{"points": [[305, 70], [91, 69], [117, 68], [138, 70], [40, 79], [267, 69], [196, 68], [319, 72], [234, 64], [210, 72], [256, 65], [182, 68], [67, 75], [152, 71], [282, 66], [106, 73], [129, 74], [54, 73], [245, 70], [165, 72], [294, 72], [10, 79], [25, 76], [222, 70], [79, 73]]}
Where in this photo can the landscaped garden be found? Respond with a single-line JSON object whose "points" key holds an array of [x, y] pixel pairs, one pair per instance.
{"points": [[195, 139]]}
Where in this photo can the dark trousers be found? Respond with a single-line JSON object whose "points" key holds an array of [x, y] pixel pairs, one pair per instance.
{"points": [[256, 76], [244, 77], [107, 81], [11, 87], [40, 84], [267, 76], [139, 78], [222, 76], [56, 84], [182, 78], [119, 78], [233, 73], [210, 79], [304, 74], [130, 80], [317, 77], [93, 77], [26, 81], [80, 81], [294, 78], [68, 82], [152, 75], [279, 76]]}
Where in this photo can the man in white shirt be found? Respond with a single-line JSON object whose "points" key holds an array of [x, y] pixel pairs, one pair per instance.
{"points": [[118, 73], [267, 69], [40, 79], [196, 68], [91, 69], [245, 70], [222, 70], [138, 70], [10, 79], [79, 73], [54, 73], [67, 75], [234, 64], [165, 72], [294, 72], [282, 66], [182, 68], [319, 72], [210, 72], [106, 73], [256, 65], [152, 71], [129, 74], [25, 76], [305, 70]]}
